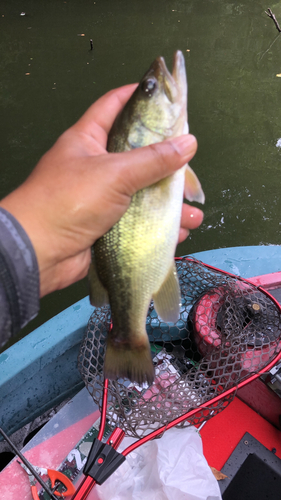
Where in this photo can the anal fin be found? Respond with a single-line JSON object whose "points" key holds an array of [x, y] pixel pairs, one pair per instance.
{"points": [[167, 300]]}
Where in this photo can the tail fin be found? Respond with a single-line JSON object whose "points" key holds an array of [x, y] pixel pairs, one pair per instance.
{"points": [[127, 362]]}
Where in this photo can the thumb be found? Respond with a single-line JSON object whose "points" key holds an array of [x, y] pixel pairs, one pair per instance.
{"points": [[142, 167]]}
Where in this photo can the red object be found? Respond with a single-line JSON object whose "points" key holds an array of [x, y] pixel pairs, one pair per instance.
{"points": [[84, 488], [34, 493], [55, 476], [221, 434], [207, 336], [263, 400]]}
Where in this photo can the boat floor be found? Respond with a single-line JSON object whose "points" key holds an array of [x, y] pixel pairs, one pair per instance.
{"points": [[223, 440], [52, 444], [222, 434]]}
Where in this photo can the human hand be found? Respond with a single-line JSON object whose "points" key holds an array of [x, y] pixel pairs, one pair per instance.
{"points": [[78, 190]]}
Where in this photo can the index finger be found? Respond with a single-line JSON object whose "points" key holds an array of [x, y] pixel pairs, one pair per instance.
{"points": [[104, 111]]}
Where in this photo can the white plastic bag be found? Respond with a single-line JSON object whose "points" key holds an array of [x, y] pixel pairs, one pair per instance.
{"points": [[170, 468]]}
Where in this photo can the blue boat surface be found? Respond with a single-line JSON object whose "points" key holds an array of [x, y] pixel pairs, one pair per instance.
{"points": [[40, 371]]}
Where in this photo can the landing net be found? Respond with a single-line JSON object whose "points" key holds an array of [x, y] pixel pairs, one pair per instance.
{"points": [[228, 330]]}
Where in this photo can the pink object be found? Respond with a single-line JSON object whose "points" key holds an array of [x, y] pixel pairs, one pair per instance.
{"points": [[14, 483]]}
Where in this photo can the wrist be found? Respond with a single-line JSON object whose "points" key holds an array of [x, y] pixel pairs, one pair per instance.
{"points": [[19, 275], [21, 207]]}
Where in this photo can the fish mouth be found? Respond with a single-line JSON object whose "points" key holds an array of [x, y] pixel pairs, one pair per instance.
{"points": [[174, 83], [179, 72]]}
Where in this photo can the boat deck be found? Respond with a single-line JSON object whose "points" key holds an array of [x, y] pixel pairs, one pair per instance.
{"points": [[222, 434]]}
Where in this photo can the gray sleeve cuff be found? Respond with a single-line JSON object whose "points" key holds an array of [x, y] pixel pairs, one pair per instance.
{"points": [[19, 277]]}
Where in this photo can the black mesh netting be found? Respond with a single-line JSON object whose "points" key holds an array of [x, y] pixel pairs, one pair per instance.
{"points": [[228, 330]]}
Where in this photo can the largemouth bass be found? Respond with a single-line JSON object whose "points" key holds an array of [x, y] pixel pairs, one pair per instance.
{"points": [[134, 261]]}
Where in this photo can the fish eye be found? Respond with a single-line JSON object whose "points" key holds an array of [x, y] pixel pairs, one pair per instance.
{"points": [[148, 86]]}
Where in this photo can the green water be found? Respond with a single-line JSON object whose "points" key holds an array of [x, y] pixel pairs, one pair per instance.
{"points": [[233, 54]]}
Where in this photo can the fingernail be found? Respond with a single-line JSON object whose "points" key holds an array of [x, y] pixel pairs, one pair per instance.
{"points": [[186, 145]]}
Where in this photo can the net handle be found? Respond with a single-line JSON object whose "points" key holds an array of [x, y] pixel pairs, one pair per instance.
{"points": [[103, 409]]}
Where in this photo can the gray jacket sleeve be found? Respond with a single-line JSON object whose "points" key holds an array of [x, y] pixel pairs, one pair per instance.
{"points": [[19, 278]]}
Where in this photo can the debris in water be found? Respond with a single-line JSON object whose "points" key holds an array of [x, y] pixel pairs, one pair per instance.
{"points": [[278, 143], [272, 16]]}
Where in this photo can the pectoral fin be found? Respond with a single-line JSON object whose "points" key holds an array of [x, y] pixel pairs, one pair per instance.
{"points": [[98, 294], [192, 188], [167, 299]]}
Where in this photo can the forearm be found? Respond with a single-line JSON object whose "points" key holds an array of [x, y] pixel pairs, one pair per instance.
{"points": [[19, 278]]}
